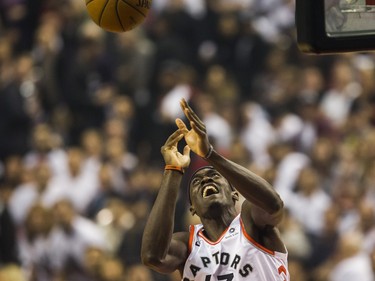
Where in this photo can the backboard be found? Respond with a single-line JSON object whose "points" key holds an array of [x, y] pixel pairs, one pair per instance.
{"points": [[335, 26]]}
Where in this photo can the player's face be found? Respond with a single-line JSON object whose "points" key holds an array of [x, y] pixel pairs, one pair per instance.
{"points": [[207, 188]]}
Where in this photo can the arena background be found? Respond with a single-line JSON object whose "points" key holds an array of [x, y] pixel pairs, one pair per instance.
{"points": [[84, 112]]}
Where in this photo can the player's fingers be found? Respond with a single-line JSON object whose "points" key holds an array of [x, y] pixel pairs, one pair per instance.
{"points": [[186, 109], [192, 116], [183, 104], [186, 150], [171, 144], [198, 130], [198, 123], [174, 138], [178, 138], [181, 125]]}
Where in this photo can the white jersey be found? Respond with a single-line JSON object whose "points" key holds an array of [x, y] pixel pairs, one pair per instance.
{"points": [[234, 256]]}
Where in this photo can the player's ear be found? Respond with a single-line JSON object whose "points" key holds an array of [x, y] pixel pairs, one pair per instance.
{"points": [[192, 210], [235, 196]]}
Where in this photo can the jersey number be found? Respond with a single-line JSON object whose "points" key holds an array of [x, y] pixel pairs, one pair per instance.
{"points": [[226, 277]]}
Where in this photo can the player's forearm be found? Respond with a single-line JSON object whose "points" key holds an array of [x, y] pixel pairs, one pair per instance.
{"points": [[159, 228], [254, 188]]}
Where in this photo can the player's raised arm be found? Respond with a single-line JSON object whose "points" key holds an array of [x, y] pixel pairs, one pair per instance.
{"points": [[162, 250], [263, 205]]}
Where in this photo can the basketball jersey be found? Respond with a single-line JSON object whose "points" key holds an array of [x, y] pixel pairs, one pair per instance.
{"points": [[234, 256]]}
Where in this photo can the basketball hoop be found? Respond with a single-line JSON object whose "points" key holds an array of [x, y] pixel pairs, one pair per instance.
{"points": [[333, 26], [358, 6]]}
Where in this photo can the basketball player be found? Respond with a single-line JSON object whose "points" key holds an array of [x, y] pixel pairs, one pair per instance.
{"points": [[227, 245]]}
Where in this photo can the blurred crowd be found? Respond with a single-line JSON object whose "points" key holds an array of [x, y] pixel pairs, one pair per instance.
{"points": [[84, 112]]}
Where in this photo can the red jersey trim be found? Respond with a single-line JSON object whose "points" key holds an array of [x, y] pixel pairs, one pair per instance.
{"points": [[252, 241], [200, 233], [191, 237]]}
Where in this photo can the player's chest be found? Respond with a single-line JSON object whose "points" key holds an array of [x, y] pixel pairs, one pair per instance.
{"points": [[226, 258]]}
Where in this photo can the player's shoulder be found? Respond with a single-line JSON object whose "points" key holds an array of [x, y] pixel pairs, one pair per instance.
{"points": [[267, 235], [182, 237]]}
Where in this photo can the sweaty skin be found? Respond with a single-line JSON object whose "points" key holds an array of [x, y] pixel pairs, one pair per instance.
{"points": [[165, 251]]}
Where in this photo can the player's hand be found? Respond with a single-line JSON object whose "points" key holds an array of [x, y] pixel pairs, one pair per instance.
{"points": [[171, 154], [196, 138]]}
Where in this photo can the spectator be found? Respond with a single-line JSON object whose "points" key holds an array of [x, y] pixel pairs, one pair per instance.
{"points": [[38, 190], [45, 148], [35, 244], [121, 161], [309, 202], [70, 239], [338, 101], [80, 183], [92, 147], [105, 192], [18, 106], [8, 242], [324, 245], [351, 264]]}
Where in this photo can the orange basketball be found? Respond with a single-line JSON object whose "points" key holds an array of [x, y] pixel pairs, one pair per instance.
{"points": [[118, 15]]}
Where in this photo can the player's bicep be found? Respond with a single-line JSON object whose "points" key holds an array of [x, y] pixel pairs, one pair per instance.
{"points": [[176, 256], [252, 214]]}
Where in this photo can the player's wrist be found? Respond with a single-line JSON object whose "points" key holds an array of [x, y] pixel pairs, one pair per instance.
{"points": [[209, 152], [169, 167]]}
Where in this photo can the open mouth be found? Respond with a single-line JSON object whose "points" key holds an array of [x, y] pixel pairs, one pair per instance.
{"points": [[209, 190]]}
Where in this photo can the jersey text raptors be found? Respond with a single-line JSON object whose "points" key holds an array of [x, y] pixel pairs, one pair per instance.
{"points": [[235, 256]]}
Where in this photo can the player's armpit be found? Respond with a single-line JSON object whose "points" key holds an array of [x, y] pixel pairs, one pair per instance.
{"points": [[262, 227]]}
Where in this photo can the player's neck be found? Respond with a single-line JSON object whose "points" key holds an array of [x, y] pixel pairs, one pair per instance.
{"points": [[214, 227]]}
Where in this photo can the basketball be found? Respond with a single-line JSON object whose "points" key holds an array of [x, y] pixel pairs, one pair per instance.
{"points": [[118, 15]]}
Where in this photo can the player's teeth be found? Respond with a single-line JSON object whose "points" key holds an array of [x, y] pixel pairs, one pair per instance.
{"points": [[205, 191]]}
